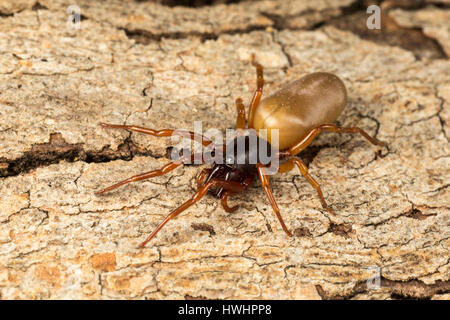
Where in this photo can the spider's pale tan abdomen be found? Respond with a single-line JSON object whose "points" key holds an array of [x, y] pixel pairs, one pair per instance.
{"points": [[294, 110]]}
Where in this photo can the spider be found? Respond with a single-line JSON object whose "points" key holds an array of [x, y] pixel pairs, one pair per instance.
{"points": [[299, 111]]}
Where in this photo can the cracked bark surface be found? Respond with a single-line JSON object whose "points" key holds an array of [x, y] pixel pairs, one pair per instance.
{"points": [[146, 64], [433, 21]]}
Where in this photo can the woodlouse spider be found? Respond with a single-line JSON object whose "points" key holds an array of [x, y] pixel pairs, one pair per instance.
{"points": [[300, 111]]}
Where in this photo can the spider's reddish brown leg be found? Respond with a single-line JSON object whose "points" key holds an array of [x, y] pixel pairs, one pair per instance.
{"points": [[258, 92], [201, 177], [227, 185], [306, 141], [246, 183], [289, 165], [224, 202], [266, 185], [154, 173], [240, 121], [157, 133]]}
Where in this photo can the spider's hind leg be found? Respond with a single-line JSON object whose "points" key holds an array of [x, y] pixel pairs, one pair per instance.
{"points": [[314, 132], [289, 165], [240, 120], [258, 92]]}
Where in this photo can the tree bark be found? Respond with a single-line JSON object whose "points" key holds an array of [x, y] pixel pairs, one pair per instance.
{"points": [[156, 66]]}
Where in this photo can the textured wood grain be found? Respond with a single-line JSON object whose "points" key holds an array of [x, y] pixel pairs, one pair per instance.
{"points": [[127, 64]]}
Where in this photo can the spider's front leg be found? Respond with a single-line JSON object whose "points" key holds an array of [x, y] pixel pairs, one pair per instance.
{"points": [[202, 176], [151, 174], [227, 185], [159, 133]]}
